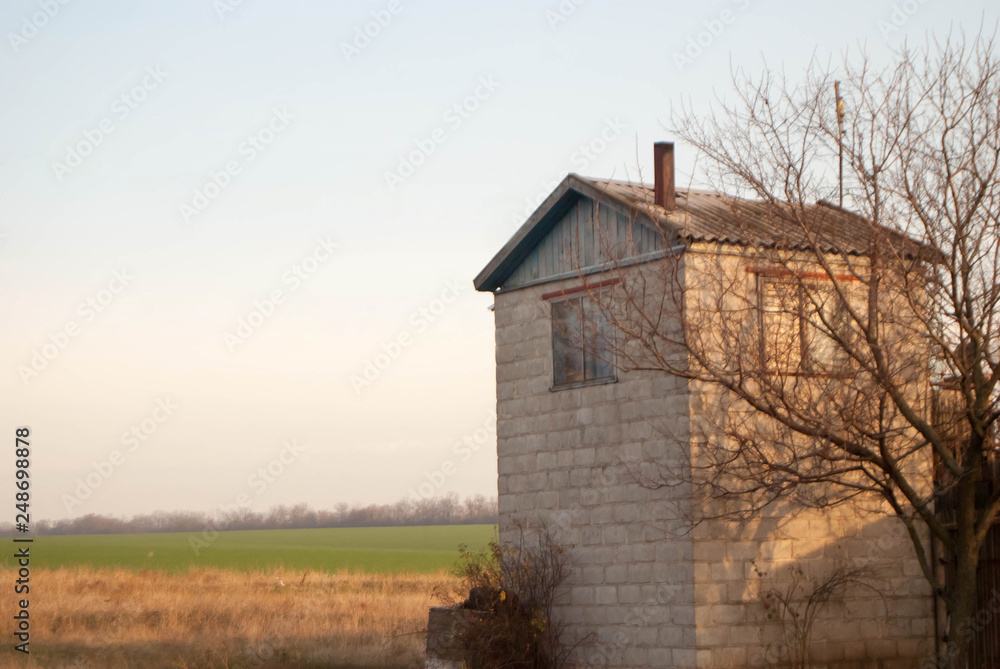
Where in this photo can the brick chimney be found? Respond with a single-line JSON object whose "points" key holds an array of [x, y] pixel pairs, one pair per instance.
{"points": [[663, 171]]}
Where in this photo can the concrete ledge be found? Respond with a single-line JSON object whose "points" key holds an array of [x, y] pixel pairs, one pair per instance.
{"points": [[444, 627]]}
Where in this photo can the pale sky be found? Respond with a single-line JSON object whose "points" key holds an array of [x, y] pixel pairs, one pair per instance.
{"points": [[171, 169]]}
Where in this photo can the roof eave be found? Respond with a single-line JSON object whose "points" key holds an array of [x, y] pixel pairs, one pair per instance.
{"points": [[538, 225], [517, 247]]}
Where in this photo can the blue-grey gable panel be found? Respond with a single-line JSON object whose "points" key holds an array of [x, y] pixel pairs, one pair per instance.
{"points": [[576, 243]]}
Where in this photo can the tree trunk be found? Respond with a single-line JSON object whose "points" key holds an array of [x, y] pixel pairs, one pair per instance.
{"points": [[962, 610], [962, 591]]}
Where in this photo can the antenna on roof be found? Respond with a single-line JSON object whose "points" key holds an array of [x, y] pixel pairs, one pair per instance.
{"points": [[840, 137]]}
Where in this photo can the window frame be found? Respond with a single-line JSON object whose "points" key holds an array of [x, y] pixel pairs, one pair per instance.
{"points": [[584, 300], [808, 364]]}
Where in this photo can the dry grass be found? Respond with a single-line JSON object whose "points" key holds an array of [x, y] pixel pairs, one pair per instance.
{"points": [[82, 618]]}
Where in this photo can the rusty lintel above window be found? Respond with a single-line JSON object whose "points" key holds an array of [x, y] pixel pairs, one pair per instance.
{"points": [[779, 271], [580, 289]]}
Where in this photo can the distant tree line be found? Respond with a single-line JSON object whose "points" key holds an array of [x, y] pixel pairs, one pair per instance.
{"points": [[446, 510]]}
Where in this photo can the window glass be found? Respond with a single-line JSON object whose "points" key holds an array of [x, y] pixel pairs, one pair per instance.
{"points": [[796, 319], [780, 309], [567, 355], [581, 342], [828, 314]]}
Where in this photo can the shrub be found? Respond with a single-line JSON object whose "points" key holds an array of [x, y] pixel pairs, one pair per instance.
{"points": [[514, 586], [797, 603]]}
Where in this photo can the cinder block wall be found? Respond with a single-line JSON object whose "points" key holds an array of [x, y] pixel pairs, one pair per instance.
{"points": [[568, 458], [859, 628], [645, 592], [891, 629]]}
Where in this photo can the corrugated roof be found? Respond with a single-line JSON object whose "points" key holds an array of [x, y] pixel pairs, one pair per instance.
{"points": [[703, 216]]}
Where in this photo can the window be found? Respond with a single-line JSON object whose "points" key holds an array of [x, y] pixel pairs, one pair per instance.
{"points": [[581, 343], [797, 318]]}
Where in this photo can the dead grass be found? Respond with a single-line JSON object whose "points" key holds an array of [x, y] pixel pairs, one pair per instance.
{"points": [[84, 618]]}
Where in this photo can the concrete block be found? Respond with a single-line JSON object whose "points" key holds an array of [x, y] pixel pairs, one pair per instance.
{"points": [[606, 594], [629, 594], [640, 573], [582, 595], [614, 535], [686, 658], [644, 552], [627, 513], [733, 656]]}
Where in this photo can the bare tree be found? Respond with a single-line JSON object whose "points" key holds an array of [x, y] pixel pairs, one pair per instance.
{"points": [[826, 332]]}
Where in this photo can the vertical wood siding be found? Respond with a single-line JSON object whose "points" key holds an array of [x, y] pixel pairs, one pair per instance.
{"points": [[575, 242]]}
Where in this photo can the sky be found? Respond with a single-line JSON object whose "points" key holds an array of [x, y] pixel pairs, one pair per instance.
{"points": [[238, 237]]}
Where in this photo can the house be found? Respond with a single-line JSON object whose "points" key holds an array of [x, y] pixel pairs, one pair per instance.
{"points": [[579, 429]]}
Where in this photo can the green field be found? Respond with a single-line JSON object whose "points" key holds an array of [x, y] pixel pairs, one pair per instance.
{"points": [[373, 549]]}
